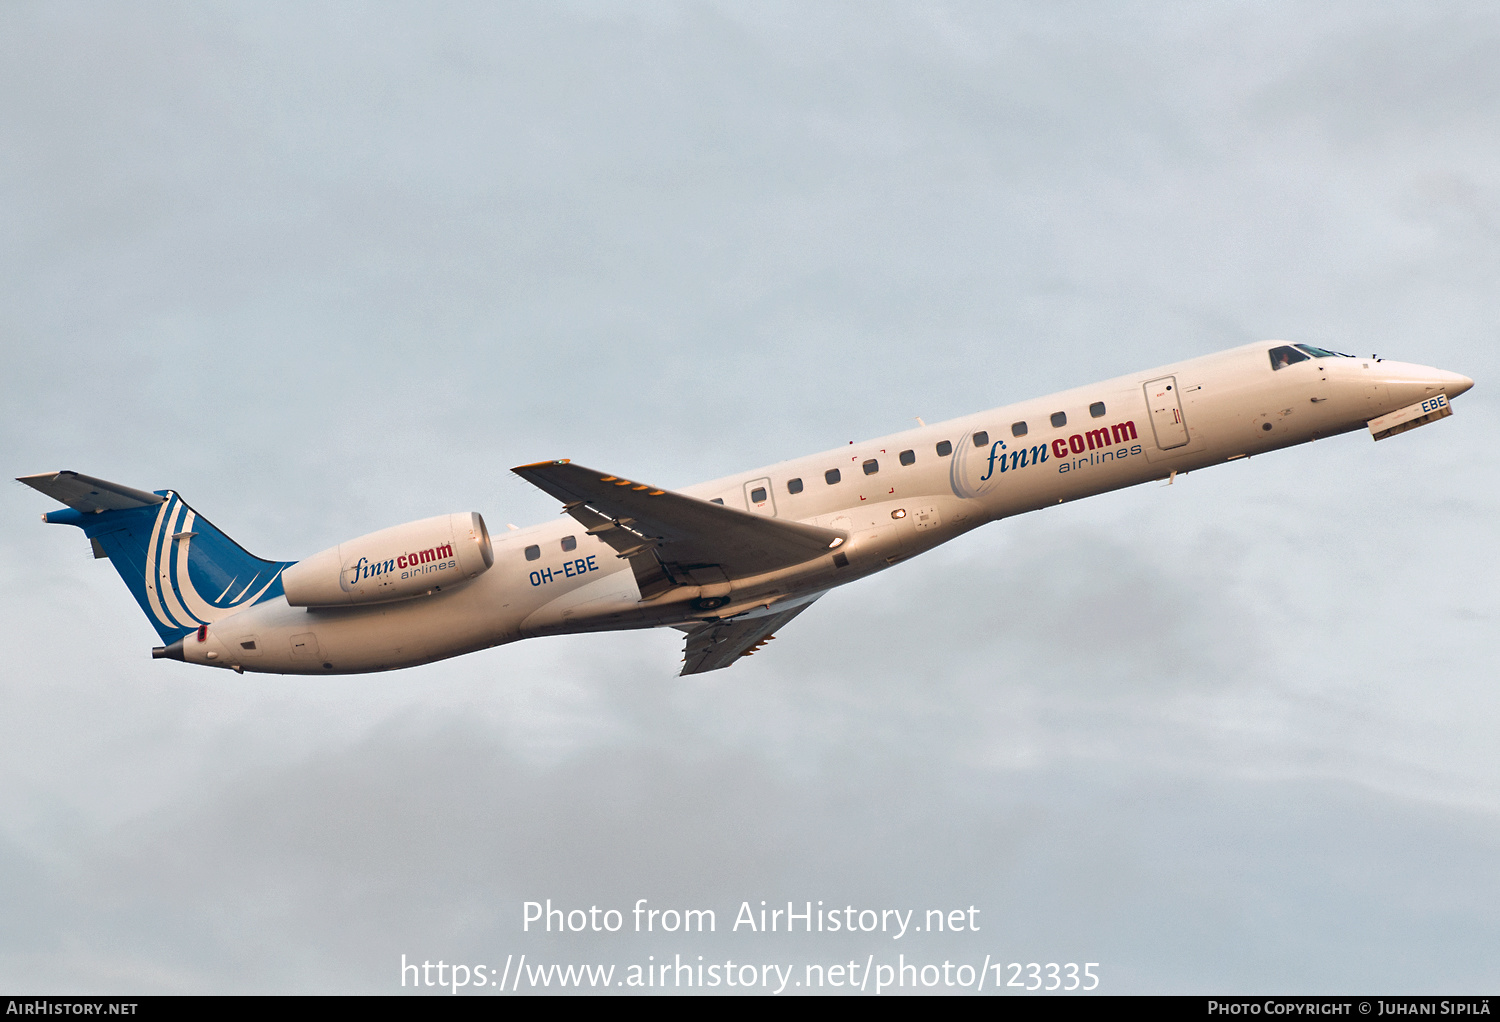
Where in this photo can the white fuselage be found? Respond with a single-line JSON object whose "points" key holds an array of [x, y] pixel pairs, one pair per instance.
{"points": [[1220, 407]]}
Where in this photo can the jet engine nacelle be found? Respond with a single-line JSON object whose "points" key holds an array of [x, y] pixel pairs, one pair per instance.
{"points": [[393, 564]]}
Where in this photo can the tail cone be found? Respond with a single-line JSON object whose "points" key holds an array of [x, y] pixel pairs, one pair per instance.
{"points": [[172, 652]]}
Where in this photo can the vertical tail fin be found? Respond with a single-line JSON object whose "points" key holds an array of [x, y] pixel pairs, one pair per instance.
{"points": [[182, 570]]}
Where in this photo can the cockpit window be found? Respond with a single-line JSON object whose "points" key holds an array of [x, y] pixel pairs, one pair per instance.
{"points": [[1285, 355], [1322, 352]]}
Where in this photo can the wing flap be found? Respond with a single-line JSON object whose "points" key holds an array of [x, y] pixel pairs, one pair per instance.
{"points": [[712, 647]]}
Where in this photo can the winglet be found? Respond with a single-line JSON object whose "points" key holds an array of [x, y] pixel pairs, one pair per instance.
{"points": [[542, 464]]}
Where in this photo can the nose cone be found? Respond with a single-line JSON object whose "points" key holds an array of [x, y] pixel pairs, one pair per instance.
{"points": [[1454, 384], [1407, 382]]}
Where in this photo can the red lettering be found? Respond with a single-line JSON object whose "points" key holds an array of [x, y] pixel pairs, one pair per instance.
{"points": [[1075, 443], [1060, 448], [401, 561], [1097, 438]]}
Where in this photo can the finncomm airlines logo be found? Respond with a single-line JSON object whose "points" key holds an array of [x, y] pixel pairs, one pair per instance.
{"points": [[1105, 438], [409, 565]]}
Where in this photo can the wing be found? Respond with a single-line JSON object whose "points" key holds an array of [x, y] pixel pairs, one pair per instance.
{"points": [[713, 646], [87, 494], [672, 539]]}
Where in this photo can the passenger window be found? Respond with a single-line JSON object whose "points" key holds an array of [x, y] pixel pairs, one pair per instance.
{"points": [[794, 486], [717, 500], [1059, 420], [908, 457], [570, 543], [1285, 355], [758, 495], [981, 438], [871, 467], [1018, 429], [831, 476], [1096, 409], [944, 448], [533, 552]]}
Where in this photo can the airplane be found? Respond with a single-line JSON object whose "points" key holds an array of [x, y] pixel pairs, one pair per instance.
{"points": [[728, 562]]}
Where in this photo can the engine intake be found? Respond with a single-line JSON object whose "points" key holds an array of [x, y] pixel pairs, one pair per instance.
{"points": [[398, 563]]}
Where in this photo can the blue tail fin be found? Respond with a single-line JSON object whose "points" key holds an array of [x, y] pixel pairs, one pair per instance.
{"points": [[181, 569]]}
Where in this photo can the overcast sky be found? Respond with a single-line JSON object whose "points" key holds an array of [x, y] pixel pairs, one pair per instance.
{"points": [[329, 268]]}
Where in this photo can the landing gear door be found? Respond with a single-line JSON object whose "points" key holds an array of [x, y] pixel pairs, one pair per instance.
{"points": [[1165, 403], [758, 498]]}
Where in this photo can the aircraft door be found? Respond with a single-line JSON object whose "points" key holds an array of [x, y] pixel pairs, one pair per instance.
{"points": [[758, 498], [1166, 413]]}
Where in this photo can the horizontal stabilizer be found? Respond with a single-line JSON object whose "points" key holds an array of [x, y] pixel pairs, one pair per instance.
{"points": [[87, 494], [713, 646], [672, 539]]}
